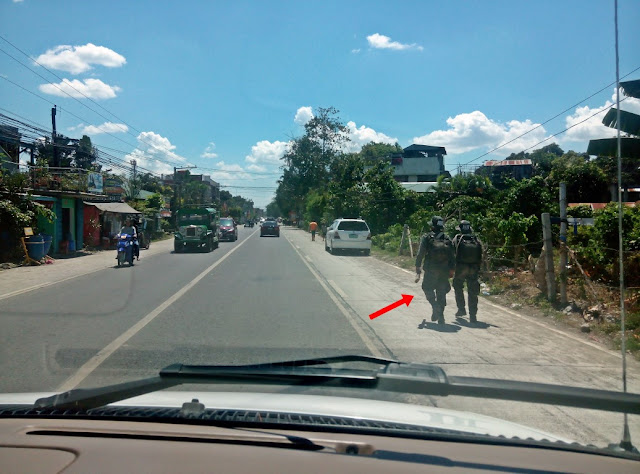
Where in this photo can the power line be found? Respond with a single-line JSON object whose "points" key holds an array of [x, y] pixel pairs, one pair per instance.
{"points": [[83, 119], [552, 118], [78, 91], [574, 125]]}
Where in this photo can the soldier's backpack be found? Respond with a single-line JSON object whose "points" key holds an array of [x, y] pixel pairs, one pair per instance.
{"points": [[469, 250], [440, 249]]}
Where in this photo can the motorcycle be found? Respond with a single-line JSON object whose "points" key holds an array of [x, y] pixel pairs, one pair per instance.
{"points": [[125, 249]]}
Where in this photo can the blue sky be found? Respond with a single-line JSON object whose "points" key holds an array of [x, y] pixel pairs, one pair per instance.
{"points": [[225, 85]]}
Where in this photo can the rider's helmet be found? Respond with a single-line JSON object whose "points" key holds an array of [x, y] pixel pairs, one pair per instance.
{"points": [[465, 227], [437, 222]]}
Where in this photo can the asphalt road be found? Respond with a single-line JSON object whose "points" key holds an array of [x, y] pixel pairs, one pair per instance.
{"points": [[266, 299]]}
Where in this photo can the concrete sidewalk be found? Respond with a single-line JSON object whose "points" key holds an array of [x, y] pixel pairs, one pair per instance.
{"points": [[23, 279]]}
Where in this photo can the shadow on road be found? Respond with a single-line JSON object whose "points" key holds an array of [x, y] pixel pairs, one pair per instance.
{"points": [[476, 325], [438, 327]]}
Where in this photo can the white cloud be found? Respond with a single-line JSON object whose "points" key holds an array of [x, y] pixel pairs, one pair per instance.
{"points": [[18, 1], [75, 127], [379, 41], [155, 153], [471, 131], [362, 135], [230, 172], [257, 168], [267, 152], [77, 59], [208, 151], [92, 88], [107, 127], [303, 115], [592, 128], [355, 51]]}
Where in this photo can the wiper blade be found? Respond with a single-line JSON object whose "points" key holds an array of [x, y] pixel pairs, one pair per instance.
{"points": [[281, 373], [388, 376]]}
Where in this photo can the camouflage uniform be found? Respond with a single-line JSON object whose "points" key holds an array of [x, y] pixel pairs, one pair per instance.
{"points": [[469, 272], [435, 283]]}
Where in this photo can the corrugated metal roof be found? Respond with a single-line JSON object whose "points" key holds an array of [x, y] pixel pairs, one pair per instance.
{"points": [[631, 88], [507, 163], [115, 207]]}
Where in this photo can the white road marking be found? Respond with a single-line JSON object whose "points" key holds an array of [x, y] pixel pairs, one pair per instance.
{"points": [[93, 363], [337, 288], [308, 258], [367, 341]]}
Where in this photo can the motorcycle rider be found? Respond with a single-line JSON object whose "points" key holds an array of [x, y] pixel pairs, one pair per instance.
{"points": [[129, 229], [439, 261], [136, 241], [468, 251]]}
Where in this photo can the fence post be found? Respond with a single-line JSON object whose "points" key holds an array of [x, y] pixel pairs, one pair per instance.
{"points": [[404, 232], [548, 250], [410, 243], [563, 243]]}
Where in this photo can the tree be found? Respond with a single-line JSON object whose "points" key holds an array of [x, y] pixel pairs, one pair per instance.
{"points": [[326, 129], [372, 151], [384, 201], [585, 181], [85, 155], [273, 210]]}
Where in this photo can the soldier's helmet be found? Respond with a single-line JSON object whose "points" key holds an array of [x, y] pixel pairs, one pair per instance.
{"points": [[465, 227], [437, 222]]}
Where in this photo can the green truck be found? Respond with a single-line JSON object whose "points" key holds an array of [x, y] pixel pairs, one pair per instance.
{"points": [[197, 229]]}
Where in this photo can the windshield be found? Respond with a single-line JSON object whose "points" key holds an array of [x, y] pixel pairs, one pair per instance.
{"points": [[353, 225], [359, 135], [193, 218]]}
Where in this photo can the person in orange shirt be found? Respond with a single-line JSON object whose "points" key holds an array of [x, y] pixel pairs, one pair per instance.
{"points": [[313, 227]]}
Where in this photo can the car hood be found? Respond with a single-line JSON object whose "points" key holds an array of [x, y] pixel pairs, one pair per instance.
{"points": [[326, 406]]}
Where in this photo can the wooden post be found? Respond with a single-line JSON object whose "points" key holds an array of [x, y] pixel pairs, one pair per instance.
{"points": [[563, 243], [404, 232], [548, 249], [410, 243]]}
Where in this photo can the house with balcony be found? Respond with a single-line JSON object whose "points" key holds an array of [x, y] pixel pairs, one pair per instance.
{"points": [[418, 167]]}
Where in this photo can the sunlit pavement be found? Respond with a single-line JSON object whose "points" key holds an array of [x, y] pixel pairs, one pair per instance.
{"points": [[261, 299], [503, 344]]}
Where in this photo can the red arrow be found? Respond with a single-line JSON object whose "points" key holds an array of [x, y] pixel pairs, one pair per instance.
{"points": [[406, 299]]}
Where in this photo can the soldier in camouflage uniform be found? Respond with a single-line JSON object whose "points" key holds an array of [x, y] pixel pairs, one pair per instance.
{"points": [[468, 251], [436, 251]]}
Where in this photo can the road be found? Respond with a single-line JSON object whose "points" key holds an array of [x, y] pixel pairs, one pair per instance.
{"points": [[266, 299]]}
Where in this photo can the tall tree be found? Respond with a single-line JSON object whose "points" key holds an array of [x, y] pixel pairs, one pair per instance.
{"points": [[85, 155]]}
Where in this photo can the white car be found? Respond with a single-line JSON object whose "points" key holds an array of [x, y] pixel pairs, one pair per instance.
{"points": [[348, 234]]}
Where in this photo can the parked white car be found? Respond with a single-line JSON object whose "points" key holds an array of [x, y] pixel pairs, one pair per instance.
{"points": [[348, 234]]}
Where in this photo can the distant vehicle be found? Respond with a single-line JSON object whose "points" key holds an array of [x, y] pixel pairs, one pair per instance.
{"points": [[348, 234], [228, 229], [196, 229], [248, 223], [270, 228]]}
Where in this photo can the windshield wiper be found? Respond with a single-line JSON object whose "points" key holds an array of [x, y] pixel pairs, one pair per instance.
{"points": [[386, 375]]}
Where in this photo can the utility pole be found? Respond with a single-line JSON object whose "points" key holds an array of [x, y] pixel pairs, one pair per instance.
{"points": [[548, 253], [563, 243], [53, 136], [134, 163]]}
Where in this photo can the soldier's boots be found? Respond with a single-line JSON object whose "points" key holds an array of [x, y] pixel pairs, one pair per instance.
{"points": [[461, 312], [472, 318]]}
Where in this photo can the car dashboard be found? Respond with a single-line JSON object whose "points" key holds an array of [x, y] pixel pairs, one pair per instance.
{"points": [[51, 445]]}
